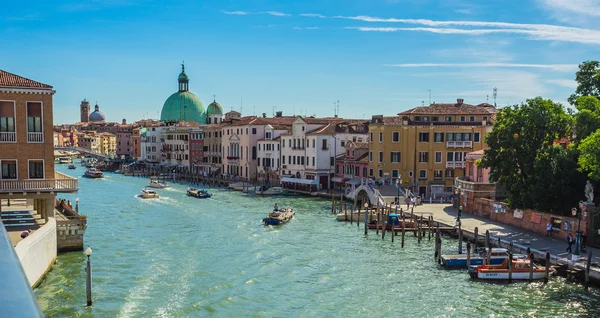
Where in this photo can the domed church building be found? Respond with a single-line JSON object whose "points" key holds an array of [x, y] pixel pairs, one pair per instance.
{"points": [[214, 113], [183, 105], [97, 116]]}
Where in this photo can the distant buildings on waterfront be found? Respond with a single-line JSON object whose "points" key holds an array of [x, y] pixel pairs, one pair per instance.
{"points": [[423, 148]]}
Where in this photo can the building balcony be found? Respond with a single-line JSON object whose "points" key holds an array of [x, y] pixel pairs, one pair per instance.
{"points": [[35, 137], [61, 183], [455, 164], [459, 144], [232, 158], [8, 137]]}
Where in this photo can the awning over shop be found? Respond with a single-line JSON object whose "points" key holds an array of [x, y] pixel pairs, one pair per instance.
{"points": [[302, 181], [353, 181], [338, 179]]}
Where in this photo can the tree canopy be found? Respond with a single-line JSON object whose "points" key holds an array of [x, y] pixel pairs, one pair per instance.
{"points": [[589, 159], [522, 155], [588, 81]]}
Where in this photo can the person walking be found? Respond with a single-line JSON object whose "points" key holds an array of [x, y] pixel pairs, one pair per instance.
{"points": [[549, 229], [570, 242]]}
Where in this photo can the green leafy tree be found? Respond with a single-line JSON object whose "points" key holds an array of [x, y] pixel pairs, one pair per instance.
{"points": [[521, 151], [589, 159], [588, 80], [587, 119]]}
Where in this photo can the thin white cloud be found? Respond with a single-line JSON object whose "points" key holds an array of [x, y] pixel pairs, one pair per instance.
{"points": [[462, 11], [313, 15], [555, 67], [564, 83], [584, 7], [277, 13], [306, 28], [235, 12], [549, 33]]}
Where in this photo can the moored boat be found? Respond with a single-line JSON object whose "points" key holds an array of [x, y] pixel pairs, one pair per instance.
{"points": [[521, 270], [94, 173], [279, 216], [149, 194], [498, 256], [238, 186], [72, 166], [157, 184], [64, 160], [270, 191], [198, 193]]}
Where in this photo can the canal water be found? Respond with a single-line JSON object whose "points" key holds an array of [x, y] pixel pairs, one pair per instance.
{"points": [[182, 257]]}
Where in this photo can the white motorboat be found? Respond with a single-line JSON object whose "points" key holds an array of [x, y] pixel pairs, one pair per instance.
{"points": [[158, 184], [149, 194], [64, 160], [270, 191], [238, 186]]}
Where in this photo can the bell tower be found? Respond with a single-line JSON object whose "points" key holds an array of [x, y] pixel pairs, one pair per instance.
{"points": [[84, 109]]}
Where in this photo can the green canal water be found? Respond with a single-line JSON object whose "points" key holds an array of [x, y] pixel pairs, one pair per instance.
{"points": [[183, 257]]}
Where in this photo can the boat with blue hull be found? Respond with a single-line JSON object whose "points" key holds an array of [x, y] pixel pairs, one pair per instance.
{"points": [[278, 217], [460, 260], [198, 193]]}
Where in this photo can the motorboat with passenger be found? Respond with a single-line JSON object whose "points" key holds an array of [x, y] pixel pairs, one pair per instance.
{"points": [[198, 193], [149, 194], [94, 173], [279, 216]]}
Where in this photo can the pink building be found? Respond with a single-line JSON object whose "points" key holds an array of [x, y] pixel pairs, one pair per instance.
{"points": [[474, 173], [353, 165]]}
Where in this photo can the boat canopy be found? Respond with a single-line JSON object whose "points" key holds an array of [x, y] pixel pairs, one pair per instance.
{"points": [[353, 181], [302, 181], [338, 180]]}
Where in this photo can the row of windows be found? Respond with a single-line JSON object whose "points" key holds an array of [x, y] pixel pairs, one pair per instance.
{"points": [[451, 156], [437, 174], [238, 131], [447, 118], [352, 170], [437, 137], [268, 147], [9, 169]]}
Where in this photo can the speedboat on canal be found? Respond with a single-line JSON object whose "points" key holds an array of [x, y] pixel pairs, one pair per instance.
{"points": [[198, 193], [64, 160], [158, 184], [149, 194], [498, 256], [270, 190], [72, 166], [94, 173], [520, 271], [238, 186], [279, 216]]}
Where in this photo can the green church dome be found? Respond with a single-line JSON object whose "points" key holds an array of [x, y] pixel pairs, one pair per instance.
{"points": [[214, 109], [183, 105]]}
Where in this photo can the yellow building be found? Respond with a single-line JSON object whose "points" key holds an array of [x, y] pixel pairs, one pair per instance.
{"points": [[90, 141], [425, 146], [108, 143]]}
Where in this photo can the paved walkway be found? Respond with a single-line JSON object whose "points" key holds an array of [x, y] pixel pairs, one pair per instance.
{"points": [[445, 213]]}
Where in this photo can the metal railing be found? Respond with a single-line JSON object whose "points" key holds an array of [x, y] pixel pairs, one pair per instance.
{"points": [[459, 144], [60, 183], [455, 164], [16, 296], [6, 136], [36, 137]]}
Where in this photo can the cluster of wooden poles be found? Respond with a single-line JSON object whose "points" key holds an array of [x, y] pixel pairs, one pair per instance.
{"points": [[420, 225]]}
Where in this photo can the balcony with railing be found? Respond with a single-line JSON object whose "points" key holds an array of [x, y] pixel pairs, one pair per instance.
{"points": [[61, 183], [459, 144], [455, 164], [7, 136], [35, 137]]}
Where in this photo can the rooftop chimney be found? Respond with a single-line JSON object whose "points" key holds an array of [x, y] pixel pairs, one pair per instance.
{"points": [[459, 101], [279, 114]]}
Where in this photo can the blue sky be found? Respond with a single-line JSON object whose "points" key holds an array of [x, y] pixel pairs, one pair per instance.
{"points": [[373, 56]]}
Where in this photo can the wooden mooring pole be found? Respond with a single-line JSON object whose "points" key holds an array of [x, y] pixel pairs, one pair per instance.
{"points": [[367, 212], [402, 244], [547, 268], [510, 267], [475, 239], [587, 271], [468, 255], [459, 238], [530, 255]]}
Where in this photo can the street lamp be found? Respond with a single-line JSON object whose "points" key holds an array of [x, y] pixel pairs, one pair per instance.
{"points": [[77, 205], [88, 276], [459, 207], [577, 213]]}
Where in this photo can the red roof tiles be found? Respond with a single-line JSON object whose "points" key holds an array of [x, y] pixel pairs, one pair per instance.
{"points": [[12, 80], [451, 109]]}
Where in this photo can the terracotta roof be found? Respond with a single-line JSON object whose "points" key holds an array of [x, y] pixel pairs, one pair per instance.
{"points": [[336, 127], [265, 139], [12, 80], [451, 109], [361, 145], [363, 158]]}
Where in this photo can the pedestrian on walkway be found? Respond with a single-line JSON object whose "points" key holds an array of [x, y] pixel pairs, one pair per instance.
{"points": [[570, 242], [549, 229]]}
